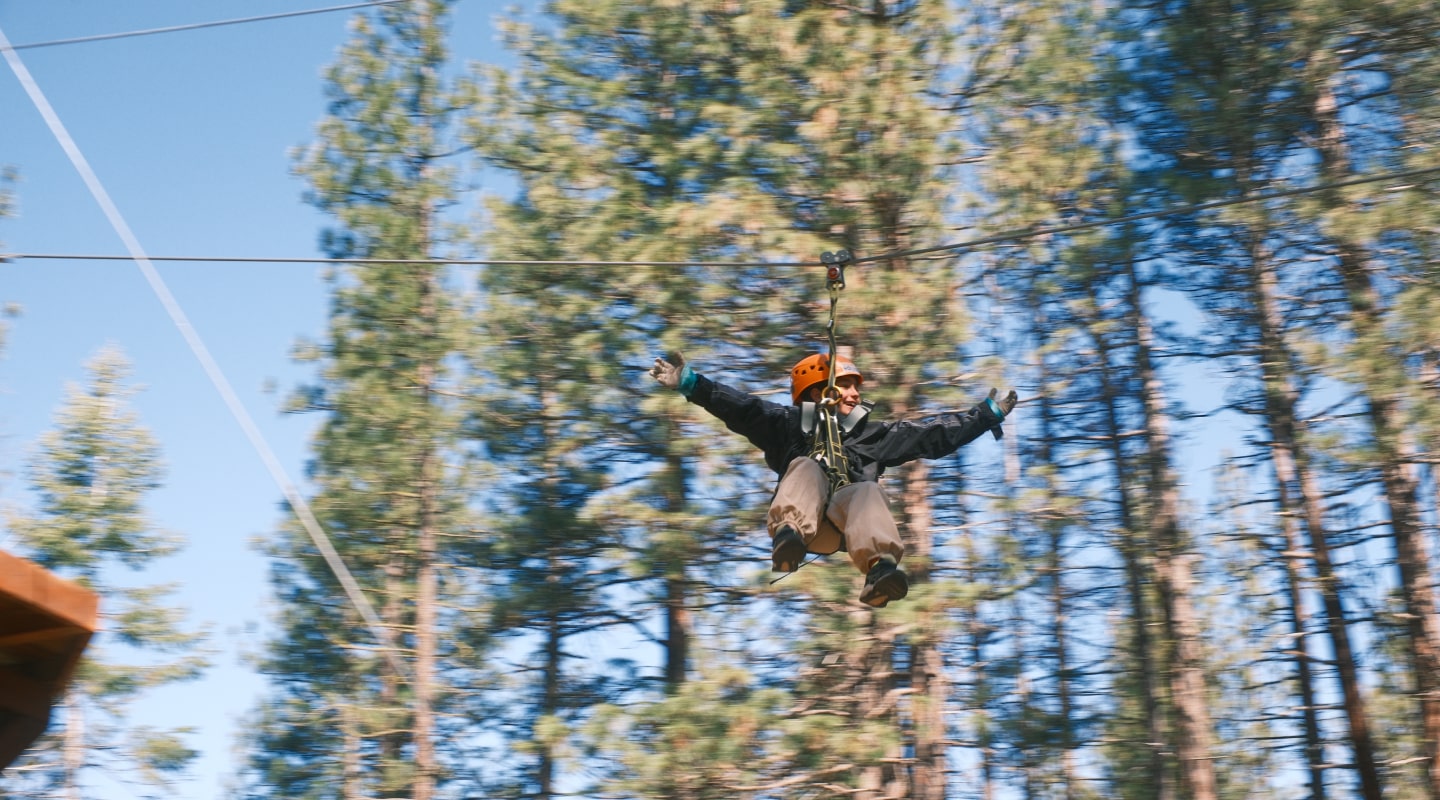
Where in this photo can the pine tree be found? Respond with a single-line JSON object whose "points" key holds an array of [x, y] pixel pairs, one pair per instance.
{"points": [[1063, 705], [541, 402], [854, 94], [1052, 158], [736, 130], [391, 485], [630, 134], [90, 476], [1380, 373]]}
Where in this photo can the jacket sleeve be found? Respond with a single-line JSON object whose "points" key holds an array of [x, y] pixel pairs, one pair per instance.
{"points": [[934, 438], [763, 423]]}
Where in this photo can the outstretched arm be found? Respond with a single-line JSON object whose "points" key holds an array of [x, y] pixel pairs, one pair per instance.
{"points": [[767, 425], [939, 437]]}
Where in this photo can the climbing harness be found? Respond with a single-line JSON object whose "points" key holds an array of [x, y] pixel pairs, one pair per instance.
{"points": [[825, 445], [822, 420]]}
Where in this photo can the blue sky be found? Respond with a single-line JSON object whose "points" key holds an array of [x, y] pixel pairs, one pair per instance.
{"points": [[190, 134]]}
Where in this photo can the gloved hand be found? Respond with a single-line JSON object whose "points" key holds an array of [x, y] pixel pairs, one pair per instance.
{"points": [[1001, 408], [673, 373], [1005, 406]]}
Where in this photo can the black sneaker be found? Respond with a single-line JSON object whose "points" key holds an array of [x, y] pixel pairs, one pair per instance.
{"points": [[787, 550], [885, 582]]}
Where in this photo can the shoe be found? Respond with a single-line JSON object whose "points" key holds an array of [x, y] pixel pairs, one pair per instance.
{"points": [[884, 582], [787, 550]]}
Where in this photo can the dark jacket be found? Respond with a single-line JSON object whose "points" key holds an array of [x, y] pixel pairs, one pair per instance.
{"points": [[870, 446]]}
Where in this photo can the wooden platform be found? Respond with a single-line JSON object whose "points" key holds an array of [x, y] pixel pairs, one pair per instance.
{"points": [[45, 623]]}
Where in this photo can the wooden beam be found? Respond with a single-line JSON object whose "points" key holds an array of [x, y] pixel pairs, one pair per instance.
{"points": [[41, 635], [30, 584], [45, 623]]}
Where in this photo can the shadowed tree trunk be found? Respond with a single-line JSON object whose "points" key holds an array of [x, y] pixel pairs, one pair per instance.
{"points": [[1174, 578], [1297, 492], [1381, 382], [1137, 577]]}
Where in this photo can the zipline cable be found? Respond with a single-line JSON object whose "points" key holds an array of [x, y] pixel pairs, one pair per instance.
{"points": [[197, 346], [197, 25], [458, 262], [1012, 236]]}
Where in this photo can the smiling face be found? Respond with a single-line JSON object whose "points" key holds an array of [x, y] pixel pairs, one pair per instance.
{"points": [[849, 389]]}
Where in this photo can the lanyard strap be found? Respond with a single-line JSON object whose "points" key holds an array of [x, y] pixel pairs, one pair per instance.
{"points": [[827, 447]]}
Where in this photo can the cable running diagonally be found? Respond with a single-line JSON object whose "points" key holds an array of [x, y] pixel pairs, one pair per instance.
{"points": [[197, 346], [101, 37]]}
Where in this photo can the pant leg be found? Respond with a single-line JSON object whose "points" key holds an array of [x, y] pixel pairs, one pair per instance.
{"points": [[800, 500], [863, 513]]}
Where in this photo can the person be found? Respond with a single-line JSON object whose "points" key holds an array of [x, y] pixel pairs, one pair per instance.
{"points": [[810, 512]]}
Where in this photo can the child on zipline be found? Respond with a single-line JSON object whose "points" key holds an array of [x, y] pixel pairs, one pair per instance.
{"points": [[839, 504]]}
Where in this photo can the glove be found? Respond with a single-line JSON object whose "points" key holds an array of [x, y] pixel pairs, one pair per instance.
{"points": [[1001, 408], [673, 373], [1005, 406]]}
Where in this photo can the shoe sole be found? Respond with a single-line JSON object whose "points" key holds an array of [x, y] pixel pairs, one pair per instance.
{"points": [[787, 557], [891, 587]]}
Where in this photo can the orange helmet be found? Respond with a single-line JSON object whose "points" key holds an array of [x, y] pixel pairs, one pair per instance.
{"points": [[814, 369]]}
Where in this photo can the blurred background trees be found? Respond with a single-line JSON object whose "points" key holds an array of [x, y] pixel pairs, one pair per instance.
{"points": [[1200, 565], [1184, 572]]}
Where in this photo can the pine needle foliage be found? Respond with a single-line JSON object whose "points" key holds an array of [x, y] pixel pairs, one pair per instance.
{"points": [[90, 475]]}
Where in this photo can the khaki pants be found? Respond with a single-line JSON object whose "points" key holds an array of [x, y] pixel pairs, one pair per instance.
{"points": [[858, 512]]}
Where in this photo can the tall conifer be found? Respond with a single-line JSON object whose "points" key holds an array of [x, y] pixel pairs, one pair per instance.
{"points": [[389, 464], [621, 126], [90, 475], [857, 156], [719, 130]]}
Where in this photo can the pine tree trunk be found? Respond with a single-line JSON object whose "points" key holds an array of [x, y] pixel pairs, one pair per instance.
{"points": [[549, 705], [677, 588], [73, 749], [425, 658], [1059, 606], [1294, 578], [352, 774], [392, 735], [873, 676], [426, 580], [1058, 610], [1274, 360], [1396, 465], [985, 743], [928, 688], [677, 631], [1159, 739], [1172, 572], [931, 699], [1285, 454], [1030, 757], [1137, 577], [552, 415]]}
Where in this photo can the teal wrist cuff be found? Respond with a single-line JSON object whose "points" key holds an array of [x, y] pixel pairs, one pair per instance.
{"points": [[687, 381], [995, 407]]}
